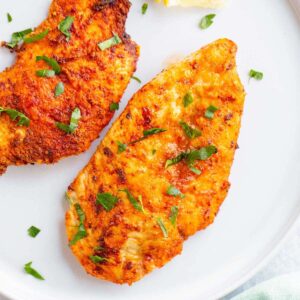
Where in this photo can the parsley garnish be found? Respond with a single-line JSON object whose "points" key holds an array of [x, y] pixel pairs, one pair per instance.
{"points": [[187, 99], [18, 37], [191, 156], [65, 25], [209, 113], [173, 191], [50, 62], [135, 203], [45, 73], [190, 131], [96, 259], [115, 40], [136, 79], [59, 89], [114, 106], [36, 37], [75, 117], [81, 233], [33, 231], [256, 74], [29, 270], [14, 114], [121, 147], [107, 200], [9, 17], [173, 214], [207, 21], [147, 133], [144, 8], [162, 227]]}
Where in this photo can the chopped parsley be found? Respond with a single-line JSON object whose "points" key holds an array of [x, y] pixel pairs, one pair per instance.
{"points": [[173, 215], [173, 191], [207, 21], [107, 200], [75, 117], [187, 99], [29, 270], [36, 37], [81, 232], [18, 37], [190, 132], [209, 113], [14, 114], [135, 203], [136, 79], [147, 133], [144, 8], [33, 231], [50, 62], [121, 147], [162, 227], [9, 17], [191, 156], [256, 74], [96, 259], [65, 26], [59, 89], [45, 73], [115, 40], [114, 106]]}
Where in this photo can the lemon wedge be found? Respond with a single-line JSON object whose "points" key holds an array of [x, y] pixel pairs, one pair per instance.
{"points": [[199, 3]]}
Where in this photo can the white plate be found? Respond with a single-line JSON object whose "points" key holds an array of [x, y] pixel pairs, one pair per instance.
{"points": [[264, 200]]}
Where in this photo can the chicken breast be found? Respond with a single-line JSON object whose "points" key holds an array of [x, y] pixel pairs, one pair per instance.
{"points": [[161, 173], [69, 76]]}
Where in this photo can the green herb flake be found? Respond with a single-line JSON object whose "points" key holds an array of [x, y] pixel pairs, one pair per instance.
{"points": [[36, 37], [33, 231], [107, 200], [65, 26], [14, 114], [136, 79], [9, 17], [153, 151], [256, 74], [195, 170], [162, 227], [114, 106], [115, 40], [190, 132], [81, 232], [135, 203], [75, 117], [207, 21], [18, 37], [187, 99], [147, 133], [121, 147], [96, 259], [144, 8], [29, 270], [59, 89], [175, 160], [173, 215], [50, 62], [45, 73], [173, 191], [209, 113]]}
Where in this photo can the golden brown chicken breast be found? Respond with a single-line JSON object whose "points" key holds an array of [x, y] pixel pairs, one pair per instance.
{"points": [[69, 76], [161, 172]]}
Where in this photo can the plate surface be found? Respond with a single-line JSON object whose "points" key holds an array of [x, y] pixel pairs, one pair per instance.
{"points": [[264, 200]]}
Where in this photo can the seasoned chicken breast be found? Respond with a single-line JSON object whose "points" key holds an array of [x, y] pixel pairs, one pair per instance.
{"points": [[161, 172], [69, 76]]}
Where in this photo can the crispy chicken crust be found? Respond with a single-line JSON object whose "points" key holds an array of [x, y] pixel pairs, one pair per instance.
{"points": [[133, 242], [93, 79]]}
